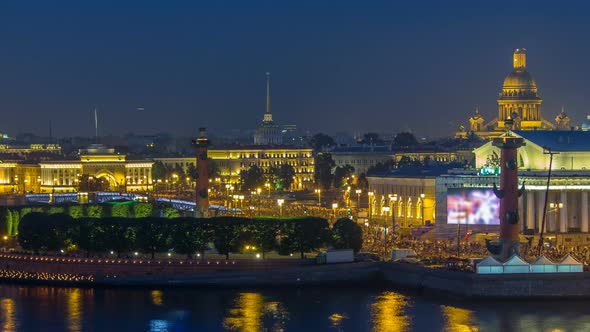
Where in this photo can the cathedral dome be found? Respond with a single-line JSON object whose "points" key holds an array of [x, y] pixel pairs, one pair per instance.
{"points": [[519, 79]]}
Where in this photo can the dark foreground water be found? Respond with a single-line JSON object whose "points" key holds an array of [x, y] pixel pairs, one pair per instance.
{"points": [[32, 308]]}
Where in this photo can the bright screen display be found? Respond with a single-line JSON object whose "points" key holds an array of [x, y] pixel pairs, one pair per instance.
{"points": [[473, 206]]}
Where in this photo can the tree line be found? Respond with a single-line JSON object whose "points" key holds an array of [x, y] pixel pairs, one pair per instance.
{"points": [[40, 232], [10, 217]]}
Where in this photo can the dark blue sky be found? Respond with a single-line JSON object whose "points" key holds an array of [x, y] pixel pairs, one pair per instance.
{"points": [[336, 65]]}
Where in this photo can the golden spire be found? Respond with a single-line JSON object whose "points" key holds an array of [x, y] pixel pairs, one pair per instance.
{"points": [[267, 113]]}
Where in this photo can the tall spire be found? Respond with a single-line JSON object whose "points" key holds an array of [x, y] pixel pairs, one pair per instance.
{"points": [[95, 123], [267, 113]]}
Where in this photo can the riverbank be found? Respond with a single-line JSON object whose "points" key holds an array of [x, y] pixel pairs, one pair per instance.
{"points": [[57, 270], [499, 286]]}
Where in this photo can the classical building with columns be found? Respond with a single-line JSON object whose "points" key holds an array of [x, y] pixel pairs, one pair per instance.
{"points": [[58, 175], [567, 215], [404, 196]]}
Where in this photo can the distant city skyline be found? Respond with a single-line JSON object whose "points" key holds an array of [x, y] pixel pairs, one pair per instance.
{"points": [[337, 66]]}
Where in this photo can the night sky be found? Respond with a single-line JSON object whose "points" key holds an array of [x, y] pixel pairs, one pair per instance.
{"points": [[353, 66]]}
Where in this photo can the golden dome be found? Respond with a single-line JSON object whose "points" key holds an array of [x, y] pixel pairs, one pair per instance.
{"points": [[519, 79]]}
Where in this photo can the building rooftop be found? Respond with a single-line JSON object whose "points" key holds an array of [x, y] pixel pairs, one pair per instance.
{"points": [[558, 140]]}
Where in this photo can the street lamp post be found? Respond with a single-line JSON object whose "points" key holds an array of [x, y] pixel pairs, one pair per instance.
{"points": [[370, 197], [422, 207], [280, 201], [334, 207], [555, 208], [393, 200], [319, 192], [358, 199], [258, 191]]}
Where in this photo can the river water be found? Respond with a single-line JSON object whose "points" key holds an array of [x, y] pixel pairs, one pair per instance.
{"points": [[47, 309]]}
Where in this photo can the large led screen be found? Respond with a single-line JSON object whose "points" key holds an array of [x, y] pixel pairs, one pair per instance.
{"points": [[473, 206]]}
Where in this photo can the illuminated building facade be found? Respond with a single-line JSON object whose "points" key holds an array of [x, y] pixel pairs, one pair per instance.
{"points": [[52, 176], [567, 218], [231, 161], [408, 194]]}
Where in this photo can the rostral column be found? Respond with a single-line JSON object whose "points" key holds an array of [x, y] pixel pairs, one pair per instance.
{"points": [[508, 194], [202, 198]]}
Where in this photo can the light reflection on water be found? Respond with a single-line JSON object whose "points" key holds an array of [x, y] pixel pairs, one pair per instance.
{"points": [[7, 306], [388, 313], [74, 309], [30, 308], [458, 320]]}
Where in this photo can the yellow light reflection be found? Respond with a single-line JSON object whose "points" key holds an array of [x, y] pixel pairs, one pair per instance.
{"points": [[157, 297], [388, 313], [74, 298], [336, 319], [249, 312], [8, 315], [458, 320]]}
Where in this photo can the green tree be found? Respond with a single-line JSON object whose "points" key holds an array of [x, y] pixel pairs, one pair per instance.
{"points": [[263, 234], [76, 211], [304, 234], [362, 182], [252, 178], [213, 169], [91, 184], [38, 231], [285, 176], [120, 210], [346, 234], [321, 141], [192, 172], [8, 222], [341, 174], [226, 235], [95, 211], [323, 170], [119, 234], [143, 210], [56, 209], [16, 218], [92, 235], [152, 235], [191, 235], [170, 213], [159, 171]]}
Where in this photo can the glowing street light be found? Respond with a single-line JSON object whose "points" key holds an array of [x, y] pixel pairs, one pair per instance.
{"points": [[358, 198], [334, 207], [280, 201], [319, 192], [422, 207], [369, 198]]}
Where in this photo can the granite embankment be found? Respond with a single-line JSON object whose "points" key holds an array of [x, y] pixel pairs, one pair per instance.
{"points": [[137, 272], [287, 273], [472, 285]]}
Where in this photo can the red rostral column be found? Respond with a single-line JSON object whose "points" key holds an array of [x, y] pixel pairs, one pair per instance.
{"points": [[508, 194], [202, 200]]}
